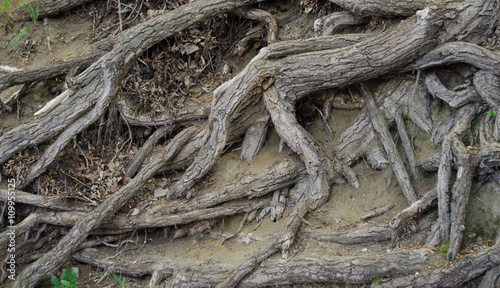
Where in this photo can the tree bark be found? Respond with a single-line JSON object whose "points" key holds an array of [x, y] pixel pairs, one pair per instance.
{"points": [[382, 130], [47, 8]]}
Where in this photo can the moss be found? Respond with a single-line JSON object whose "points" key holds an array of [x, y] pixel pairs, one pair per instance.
{"points": [[444, 247]]}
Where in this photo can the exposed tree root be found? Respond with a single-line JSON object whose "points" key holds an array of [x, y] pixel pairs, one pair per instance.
{"points": [[460, 52], [318, 165], [401, 266], [282, 242], [382, 130], [269, 87], [356, 236], [381, 8], [454, 98], [467, 113], [417, 207], [122, 222], [47, 8], [377, 211], [52, 260], [53, 203], [109, 90], [456, 275], [328, 25]]}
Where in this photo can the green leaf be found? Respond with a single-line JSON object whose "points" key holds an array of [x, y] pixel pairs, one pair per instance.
{"points": [[493, 112], [70, 276], [19, 36], [120, 282], [55, 282]]}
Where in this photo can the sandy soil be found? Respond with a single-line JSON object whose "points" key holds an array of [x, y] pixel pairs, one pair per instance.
{"points": [[71, 34]]}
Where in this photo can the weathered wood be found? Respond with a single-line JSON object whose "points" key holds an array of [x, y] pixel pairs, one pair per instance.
{"points": [[417, 207], [456, 275], [487, 86], [254, 139], [191, 113], [486, 126], [51, 71], [28, 223], [460, 52], [444, 129], [433, 238], [292, 47], [318, 164], [47, 8], [384, 8], [108, 89], [460, 197], [128, 46], [382, 130], [123, 222], [135, 163], [356, 139], [465, 115], [329, 24], [298, 75], [490, 279], [398, 265], [356, 236], [257, 33], [51, 261], [429, 162], [284, 172], [376, 156], [282, 242], [407, 146], [378, 211], [262, 16], [455, 99], [49, 202], [360, 138]]}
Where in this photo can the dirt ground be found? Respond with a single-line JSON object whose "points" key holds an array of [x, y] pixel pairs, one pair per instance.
{"points": [[71, 34]]}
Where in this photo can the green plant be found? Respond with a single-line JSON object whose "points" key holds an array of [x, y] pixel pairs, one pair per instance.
{"points": [[6, 4], [19, 36], [32, 11], [444, 247], [493, 112], [120, 282], [380, 280], [68, 279]]}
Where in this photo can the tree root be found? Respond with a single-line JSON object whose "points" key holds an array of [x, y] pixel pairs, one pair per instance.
{"points": [[52, 260], [357, 236], [317, 163], [455, 99], [285, 72], [109, 90], [47, 8], [328, 25], [282, 242], [465, 116], [378, 211], [382, 130], [460, 52], [53, 203], [122, 222], [382, 8]]}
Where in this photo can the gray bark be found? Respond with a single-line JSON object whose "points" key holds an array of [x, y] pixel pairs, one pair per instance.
{"points": [[382, 130]]}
